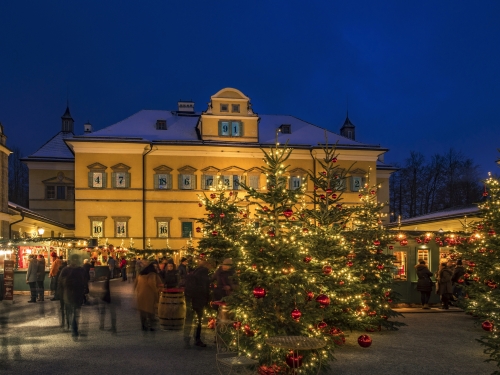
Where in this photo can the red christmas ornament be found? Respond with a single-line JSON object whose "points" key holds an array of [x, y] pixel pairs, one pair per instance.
{"points": [[376, 243], [296, 314], [480, 227], [349, 264], [249, 333], [472, 264], [270, 370], [391, 247], [380, 266], [305, 230], [466, 275], [198, 229], [310, 296], [307, 259], [341, 282], [254, 266], [492, 285], [372, 313], [339, 206], [338, 336], [236, 325], [212, 196], [334, 160], [364, 341], [327, 270], [294, 360], [491, 232], [403, 242], [271, 233], [211, 323], [222, 215], [202, 255], [328, 191], [265, 208], [372, 192], [230, 193], [315, 188], [321, 325], [460, 281], [215, 233], [323, 300], [259, 292], [487, 325], [334, 196], [200, 205], [323, 196], [288, 212]]}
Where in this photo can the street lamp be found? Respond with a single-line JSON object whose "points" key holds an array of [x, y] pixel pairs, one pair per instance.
{"points": [[40, 231]]}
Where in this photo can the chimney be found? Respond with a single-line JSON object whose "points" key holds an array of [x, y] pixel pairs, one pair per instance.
{"points": [[185, 106], [87, 128]]}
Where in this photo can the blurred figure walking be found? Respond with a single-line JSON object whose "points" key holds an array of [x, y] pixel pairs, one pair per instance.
{"points": [[106, 304], [53, 273], [147, 289], [73, 285], [31, 277], [123, 268], [40, 278]]}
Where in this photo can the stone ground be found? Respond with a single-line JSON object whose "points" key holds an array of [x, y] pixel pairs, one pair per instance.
{"points": [[31, 342]]}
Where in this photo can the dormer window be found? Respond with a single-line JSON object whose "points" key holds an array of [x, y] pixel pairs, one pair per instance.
{"points": [[286, 129], [161, 124], [235, 108], [224, 107]]}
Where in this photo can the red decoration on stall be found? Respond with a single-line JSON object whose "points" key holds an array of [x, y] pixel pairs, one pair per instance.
{"points": [[259, 292], [364, 341]]}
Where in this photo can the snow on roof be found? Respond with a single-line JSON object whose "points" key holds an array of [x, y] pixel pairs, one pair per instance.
{"points": [[54, 148], [449, 213]]}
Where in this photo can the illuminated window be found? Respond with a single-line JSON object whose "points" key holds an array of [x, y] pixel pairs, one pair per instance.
{"points": [[401, 265], [230, 128]]}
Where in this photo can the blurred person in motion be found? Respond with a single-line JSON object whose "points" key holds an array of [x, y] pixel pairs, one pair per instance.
{"points": [[40, 278], [123, 268], [183, 271], [224, 280], [72, 281], [105, 303], [86, 267], [147, 288], [31, 277], [53, 273], [197, 291]]}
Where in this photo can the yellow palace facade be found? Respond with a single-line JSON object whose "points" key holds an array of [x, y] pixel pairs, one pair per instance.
{"points": [[139, 179]]}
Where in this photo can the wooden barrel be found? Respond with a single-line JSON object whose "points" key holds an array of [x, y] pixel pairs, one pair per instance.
{"points": [[172, 309]]}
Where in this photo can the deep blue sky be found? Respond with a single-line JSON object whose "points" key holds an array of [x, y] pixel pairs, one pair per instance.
{"points": [[419, 75]]}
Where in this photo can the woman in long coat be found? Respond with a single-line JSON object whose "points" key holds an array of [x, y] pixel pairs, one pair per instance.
{"points": [[424, 283], [445, 285], [148, 286]]}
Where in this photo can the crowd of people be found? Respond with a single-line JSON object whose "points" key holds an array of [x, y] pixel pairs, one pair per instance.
{"points": [[447, 284], [69, 284]]}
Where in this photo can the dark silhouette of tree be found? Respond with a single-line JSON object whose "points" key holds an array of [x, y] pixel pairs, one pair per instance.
{"points": [[18, 179], [423, 186]]}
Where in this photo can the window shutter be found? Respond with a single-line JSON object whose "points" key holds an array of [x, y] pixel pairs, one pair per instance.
{"points": [[241, 129], [179, 182], [104, 180], [113, 179], [363, 182], [91, 179], [193, 187], [254, 181], [127, 180], [169, 181], [156, 183]]}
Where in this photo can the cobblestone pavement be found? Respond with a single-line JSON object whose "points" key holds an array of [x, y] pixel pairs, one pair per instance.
{"points": [[31, 342]]}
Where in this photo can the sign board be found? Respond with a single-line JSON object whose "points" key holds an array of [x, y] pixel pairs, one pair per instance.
{"points": [[8, 280]]}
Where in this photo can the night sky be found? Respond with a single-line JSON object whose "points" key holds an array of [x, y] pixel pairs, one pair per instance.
{"points": [[415, 76]]}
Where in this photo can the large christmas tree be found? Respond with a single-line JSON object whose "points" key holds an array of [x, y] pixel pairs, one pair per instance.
{"points": [[481, 254]]}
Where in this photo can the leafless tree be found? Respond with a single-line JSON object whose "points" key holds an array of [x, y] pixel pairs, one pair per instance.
{"points": [[18, 179]]}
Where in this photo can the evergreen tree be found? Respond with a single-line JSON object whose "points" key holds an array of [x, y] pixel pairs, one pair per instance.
{"points": [[222, 225], [370, 265], [481, 251]]}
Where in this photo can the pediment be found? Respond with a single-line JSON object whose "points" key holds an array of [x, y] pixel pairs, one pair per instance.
{"points": [[230, 93], [210, 169], [59, 179], [163, 168], [254, 170], [187, 169], [120, 167], [233, 169], [358, 171], [96, 166], [297, 172]]}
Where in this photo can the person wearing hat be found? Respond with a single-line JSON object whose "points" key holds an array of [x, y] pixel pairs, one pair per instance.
{"points": [[224, 280]]}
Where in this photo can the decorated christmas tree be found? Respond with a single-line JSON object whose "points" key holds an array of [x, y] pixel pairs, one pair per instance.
{"points": [[222, 224], [370, 265], [481, 255]]}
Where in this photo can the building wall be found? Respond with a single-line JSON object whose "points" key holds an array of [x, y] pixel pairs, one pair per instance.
{"points": [[174, 205]]}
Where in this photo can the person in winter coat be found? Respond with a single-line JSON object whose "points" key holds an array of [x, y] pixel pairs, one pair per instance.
{"points": [[123, 268], [224, 280], [424, 283], [147, 289], [86, 290], [197, 293], [40, 278], [54, 270], [105, 303], [171, 276], [31, 277], [458, 272], [445, 285], [72, 280], [183, 271]]}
